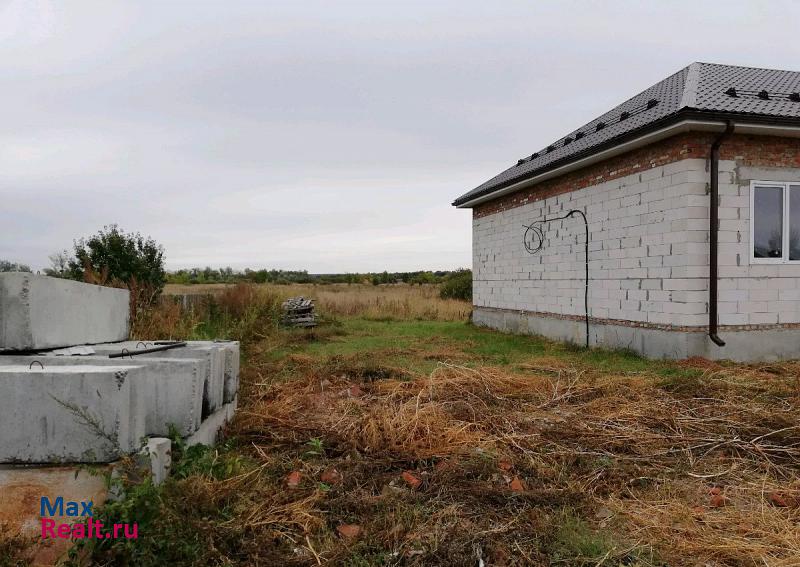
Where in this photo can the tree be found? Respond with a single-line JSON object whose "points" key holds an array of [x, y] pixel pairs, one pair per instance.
{"points": [[59, 265], [6, 266], [423, 278], [118, 259]]}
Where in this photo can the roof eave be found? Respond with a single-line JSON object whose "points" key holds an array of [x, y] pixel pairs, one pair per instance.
{"points": [[683, 121]]}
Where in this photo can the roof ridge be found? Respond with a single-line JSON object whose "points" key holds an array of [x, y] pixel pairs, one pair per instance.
{"points": [[744, 67], [689, 97]]}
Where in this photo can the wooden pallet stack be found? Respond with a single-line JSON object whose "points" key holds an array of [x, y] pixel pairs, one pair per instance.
{"points": [[299, 312]]}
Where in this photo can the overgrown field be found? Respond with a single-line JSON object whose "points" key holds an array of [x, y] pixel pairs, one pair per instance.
{"points": [[382, 302], [393, 441]]}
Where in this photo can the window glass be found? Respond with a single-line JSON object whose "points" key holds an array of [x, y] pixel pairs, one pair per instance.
{"points": [[794, 222], [768, 222]]}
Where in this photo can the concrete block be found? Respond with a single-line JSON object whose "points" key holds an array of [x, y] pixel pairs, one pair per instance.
{"points": [[210, 355], [39, 312], [169, 390], [80, 413], [158, 453], [762, 318], [232, 360], [209, 430]]}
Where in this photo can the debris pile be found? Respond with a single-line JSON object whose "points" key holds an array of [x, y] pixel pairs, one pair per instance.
{"points": [[299, 312]]}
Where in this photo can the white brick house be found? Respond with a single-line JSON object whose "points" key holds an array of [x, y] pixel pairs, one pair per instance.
{"points": [[662, 280]]}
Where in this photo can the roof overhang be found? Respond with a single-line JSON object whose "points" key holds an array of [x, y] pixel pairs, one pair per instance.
{"points": [[686, 125]]}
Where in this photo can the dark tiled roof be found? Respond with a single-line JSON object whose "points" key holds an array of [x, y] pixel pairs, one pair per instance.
{"points": [[700, 87]]}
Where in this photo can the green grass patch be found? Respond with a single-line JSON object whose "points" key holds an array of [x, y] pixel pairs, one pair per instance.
{"points": [[420, 345]]}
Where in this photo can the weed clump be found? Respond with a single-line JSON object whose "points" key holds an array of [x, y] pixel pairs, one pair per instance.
{"points": [[243, 312]]}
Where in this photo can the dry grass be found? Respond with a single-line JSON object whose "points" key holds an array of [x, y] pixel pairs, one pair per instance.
{"points": [[242, 312], [16, 550], [540, 456], [703, 471], [384, 302]]}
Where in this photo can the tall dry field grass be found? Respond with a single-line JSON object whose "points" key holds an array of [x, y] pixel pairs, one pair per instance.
{"points": [[241, 312], [383, 302]]}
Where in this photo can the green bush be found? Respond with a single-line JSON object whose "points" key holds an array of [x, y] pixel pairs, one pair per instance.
{"points": [[113, 257], [458, 286]]}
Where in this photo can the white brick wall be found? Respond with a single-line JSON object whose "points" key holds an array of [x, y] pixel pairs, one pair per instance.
{"points": [[753, 294], [648, 253]]}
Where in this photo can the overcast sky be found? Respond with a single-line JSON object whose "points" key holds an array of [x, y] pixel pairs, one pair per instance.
{"points": [[328, 136]]}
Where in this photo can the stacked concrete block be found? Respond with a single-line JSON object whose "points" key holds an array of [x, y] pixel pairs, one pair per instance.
{"points": [[39, 312], [84, 413], [63, 399], [232, 358], [218, 363], [168, 391], [184, 388]]}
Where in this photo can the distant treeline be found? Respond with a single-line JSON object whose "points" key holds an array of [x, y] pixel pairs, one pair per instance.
{"points": [[229, 275]]}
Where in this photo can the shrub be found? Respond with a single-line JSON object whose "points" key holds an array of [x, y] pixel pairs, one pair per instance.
{"points": [[59, 265], [117, 259], [116, 255], [6, 266], [458, 286], [243, 313], [178, 522]]}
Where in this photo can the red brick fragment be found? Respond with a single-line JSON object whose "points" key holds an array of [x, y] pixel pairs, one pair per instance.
{"points": [[331, 476], [411, 479], [349, 531], [293, 479]]}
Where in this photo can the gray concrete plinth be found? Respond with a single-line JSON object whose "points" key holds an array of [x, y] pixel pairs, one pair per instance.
{"points": [[39, 312], [81, 413], [741, 346]]}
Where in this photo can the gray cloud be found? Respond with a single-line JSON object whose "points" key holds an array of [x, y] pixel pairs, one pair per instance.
{"points": [[327, 136]]}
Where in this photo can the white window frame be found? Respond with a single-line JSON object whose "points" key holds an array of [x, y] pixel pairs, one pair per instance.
{"points": [[784, 185]]}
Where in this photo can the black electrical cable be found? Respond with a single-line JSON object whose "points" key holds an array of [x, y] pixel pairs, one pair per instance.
{"points": [[132, 353], [533, 240]]}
